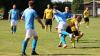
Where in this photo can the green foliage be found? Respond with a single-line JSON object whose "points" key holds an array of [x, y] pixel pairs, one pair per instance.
{"points": [[77, 5], [61, 5]]}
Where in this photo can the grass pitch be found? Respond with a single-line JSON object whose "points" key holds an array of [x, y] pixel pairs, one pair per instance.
{"points": [[89, 45]]}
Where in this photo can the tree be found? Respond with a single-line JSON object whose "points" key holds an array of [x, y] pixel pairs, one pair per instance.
{"points": [[40, 6], [77, 5]]}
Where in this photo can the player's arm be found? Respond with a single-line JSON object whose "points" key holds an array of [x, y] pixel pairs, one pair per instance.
{"points": [[23, 15], [40, 22], [44, 14], [9, 16], [52, 14], [18, 15], [76, 26], [84, 13]]}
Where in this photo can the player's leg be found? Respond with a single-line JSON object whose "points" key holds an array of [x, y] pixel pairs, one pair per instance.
{"points": [[80, 35], [63, 41], [15, 29], [46, 28], [67, 34], [15, 26], [25, 41], [76, 33], [59, 34], [87, 22], [46, 24], [12, 26], [61, 27], [12, 29], [50, 28], [73, 42], [50, 23], [34, 43]]}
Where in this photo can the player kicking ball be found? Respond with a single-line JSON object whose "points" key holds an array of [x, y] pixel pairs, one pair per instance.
{"points": [[61, 19], [13, 17], [28, 16]]}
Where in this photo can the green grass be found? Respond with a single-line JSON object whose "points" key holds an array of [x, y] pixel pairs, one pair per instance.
{"points": [[89, 45]]}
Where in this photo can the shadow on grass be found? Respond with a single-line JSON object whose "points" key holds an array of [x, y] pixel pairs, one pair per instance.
{"points": [[63, 54], [88, 47], [89, 41]]}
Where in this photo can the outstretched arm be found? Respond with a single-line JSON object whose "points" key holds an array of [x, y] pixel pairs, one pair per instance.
{"points": [[40, 22]]}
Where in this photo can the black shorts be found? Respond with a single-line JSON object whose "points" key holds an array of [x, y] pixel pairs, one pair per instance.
{"points": [[48, 22], [76, 33], [86, 19], [68, 29]]}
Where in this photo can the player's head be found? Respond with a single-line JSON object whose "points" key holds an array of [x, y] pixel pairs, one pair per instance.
{"points": [[54, 7], [87, 8], [48, 6], [66, 9], [14, 6], [31, 3], [79, 18]]}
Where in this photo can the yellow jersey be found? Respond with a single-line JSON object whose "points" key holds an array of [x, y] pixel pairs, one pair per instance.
{"points": [[48, 13], [86, 13], [72, 24]]}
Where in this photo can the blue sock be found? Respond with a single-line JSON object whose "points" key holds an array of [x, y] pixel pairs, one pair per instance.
{"points": [[24, 45], [14, 29], [62, 38], [34, 43], [64, 33]]}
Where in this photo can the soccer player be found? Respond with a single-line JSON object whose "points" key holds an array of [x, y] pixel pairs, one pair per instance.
{"points": [[28, 16], [13, 17], [86, 16], [74, 25], [67, 13], [59, 16], [48, 15]]}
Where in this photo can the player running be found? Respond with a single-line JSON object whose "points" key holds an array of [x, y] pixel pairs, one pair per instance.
{"points": [[48, 15], [28, 16], [13, 17], [86, 16]]}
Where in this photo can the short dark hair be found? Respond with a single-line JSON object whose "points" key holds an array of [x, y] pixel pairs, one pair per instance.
{"points": [[55, 7], [31, 3]]}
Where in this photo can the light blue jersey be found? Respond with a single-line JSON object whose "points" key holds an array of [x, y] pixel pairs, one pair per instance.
{"points": [[14, 14], [29, 15], [67, 15], [59, 16]]}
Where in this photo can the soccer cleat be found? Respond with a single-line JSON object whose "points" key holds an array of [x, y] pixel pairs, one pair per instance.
{"points": [[65, 46], [74, 47], [23, 54], [59, 45], [34, 53]]}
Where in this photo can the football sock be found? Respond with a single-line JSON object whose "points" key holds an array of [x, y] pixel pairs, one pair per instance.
{"points": [[62, 39], [34, 43], [24, 45], [14, 29], [73, 42]]}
